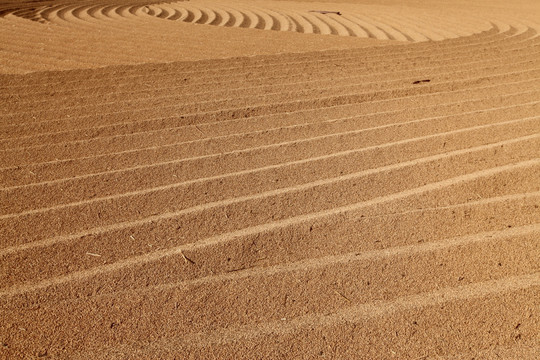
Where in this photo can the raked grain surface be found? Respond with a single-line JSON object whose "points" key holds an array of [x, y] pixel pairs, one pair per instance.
{"points": [[270, 179]]}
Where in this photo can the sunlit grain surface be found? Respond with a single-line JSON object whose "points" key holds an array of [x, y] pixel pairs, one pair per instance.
{"points": [[270, 179]]}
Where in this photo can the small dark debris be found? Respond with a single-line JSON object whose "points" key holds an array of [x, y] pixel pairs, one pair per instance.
{"points": [[188, 260], [421, 81], [517, 326], [324, 12], [42, 353], [238, 269]]}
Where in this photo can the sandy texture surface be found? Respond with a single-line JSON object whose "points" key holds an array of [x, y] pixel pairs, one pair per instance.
{"points": [[269, 180]]}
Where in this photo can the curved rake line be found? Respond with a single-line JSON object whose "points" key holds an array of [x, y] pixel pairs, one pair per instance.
{"points": [[176, 144], [339, 154], [280, 224], [259, 116], [41, 93], [335, 79], [467, 45], [346, 97]]}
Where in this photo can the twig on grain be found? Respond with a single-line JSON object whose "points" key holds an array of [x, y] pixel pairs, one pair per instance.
{"points": [[324, 12], [186, 259], [93, 254], [343, 296], [196, 127], [237, 269]]}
